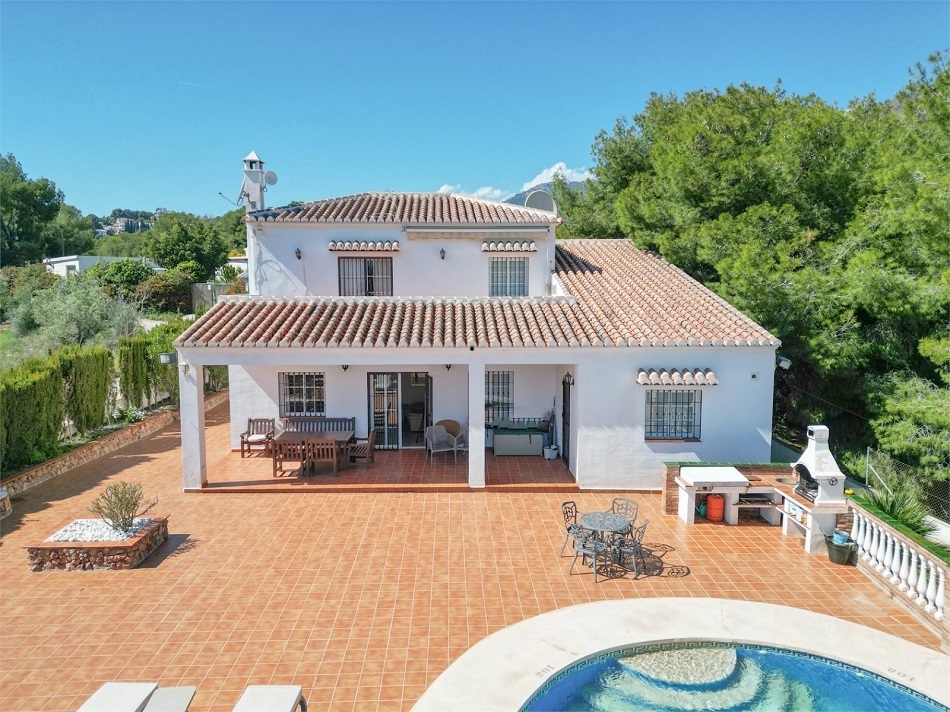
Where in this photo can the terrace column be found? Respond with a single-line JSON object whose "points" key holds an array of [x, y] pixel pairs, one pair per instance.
{"points": [[194, 461], [476, 425]]}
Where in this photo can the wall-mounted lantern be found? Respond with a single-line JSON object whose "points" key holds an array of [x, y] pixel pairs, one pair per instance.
{"points": [[442, 253], [345, 367], [298, 253]]}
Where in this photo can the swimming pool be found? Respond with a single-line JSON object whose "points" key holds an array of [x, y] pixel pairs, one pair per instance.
{"points": [[508, 668], [720, 676]]}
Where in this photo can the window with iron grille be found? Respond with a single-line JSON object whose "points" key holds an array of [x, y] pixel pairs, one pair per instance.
{"points": [[366, 276], [301, 394], [499, 387], [508, 277], [673, 415]]}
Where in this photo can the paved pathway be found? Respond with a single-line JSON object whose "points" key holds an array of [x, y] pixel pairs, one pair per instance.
{"points": [[361, 598]]}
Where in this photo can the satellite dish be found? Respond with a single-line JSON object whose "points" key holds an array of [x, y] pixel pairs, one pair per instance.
{"points": [[539, 200], [270, 178]]}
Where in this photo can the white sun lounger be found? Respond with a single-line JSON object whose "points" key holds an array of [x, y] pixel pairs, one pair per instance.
{"points": [[273, 698], [120, 697], [171, 699]]}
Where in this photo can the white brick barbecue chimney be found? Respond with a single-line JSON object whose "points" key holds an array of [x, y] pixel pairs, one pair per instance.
{"points": [[820, 464]]}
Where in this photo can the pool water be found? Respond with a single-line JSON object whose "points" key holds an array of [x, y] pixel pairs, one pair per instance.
{"points": [[721, 676]]}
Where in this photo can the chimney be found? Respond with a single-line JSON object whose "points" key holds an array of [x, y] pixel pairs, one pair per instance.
{"points": [[820, 464], [252, 190]]}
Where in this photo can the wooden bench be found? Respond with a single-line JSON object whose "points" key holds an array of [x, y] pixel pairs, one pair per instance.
{"points": [[316, 424]]}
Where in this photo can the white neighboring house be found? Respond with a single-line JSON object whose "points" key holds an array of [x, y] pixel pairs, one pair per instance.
{"points": [[74, 264], [379, 305]]}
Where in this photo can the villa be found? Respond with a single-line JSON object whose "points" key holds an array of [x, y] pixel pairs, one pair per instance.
{"points": [[403, 309]]}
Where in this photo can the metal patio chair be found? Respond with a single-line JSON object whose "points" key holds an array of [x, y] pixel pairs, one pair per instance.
{"points": [[632, 546], [572, 530], [627, 509], [590, 547]]}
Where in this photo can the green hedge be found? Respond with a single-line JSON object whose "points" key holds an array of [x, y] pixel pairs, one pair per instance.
{"points": [[134, 368], [87, 377], [32, 413]]}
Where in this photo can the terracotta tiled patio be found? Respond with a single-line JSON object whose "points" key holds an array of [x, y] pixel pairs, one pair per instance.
{"points": [[362, 597]]}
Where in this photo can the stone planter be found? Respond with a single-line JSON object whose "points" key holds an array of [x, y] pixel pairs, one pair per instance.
{"points": [[91, 555]]}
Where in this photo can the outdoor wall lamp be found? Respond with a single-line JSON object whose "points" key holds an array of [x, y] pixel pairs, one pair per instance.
{"points": [[298, 253], [185, 368], [344, 367], [448, 367], [442, 253]]}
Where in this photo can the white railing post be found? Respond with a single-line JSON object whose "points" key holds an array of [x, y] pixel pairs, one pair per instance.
{"points": [[941, 592], [899, 547], [882, 538], [912, 578], [855, 528], [905, 567], [922, 582], [868, 537], [931, 606], [885, 568], [870, 557]]}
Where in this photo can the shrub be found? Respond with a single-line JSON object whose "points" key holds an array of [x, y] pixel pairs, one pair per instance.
{"points": [[133, 370], [87, 376], [122, 277], [31, 418], [118, 504], [167, 292], [237, 287], [903, 506]]}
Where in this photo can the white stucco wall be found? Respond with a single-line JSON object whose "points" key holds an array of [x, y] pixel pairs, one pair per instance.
{"points": [[609, 406], [418, 269], [607, 448]]}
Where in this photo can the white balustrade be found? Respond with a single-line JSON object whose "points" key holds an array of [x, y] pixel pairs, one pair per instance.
{"points": [[901, 564]]}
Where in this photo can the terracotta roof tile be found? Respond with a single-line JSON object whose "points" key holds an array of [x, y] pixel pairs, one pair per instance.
{"points": [[618, 296], [364, 246], [509, 246], [407, 208], [642, 300], [674, 377]]}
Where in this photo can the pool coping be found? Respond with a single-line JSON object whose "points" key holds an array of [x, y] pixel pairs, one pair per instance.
{"points": [[502, 671]]}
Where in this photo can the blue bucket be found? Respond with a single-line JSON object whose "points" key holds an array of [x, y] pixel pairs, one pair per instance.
{"points": [[840, 537]]}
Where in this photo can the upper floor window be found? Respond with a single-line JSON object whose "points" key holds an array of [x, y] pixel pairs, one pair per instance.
{"points": [[673, 415], [301, 394], [508, 277], [366, 276], [499, 388]]}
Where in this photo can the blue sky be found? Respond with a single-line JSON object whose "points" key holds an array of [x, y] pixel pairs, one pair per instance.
{"points": [[142, 105]]}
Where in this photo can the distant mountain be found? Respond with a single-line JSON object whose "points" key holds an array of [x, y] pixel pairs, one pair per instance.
{"points": [[519, 198]]}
